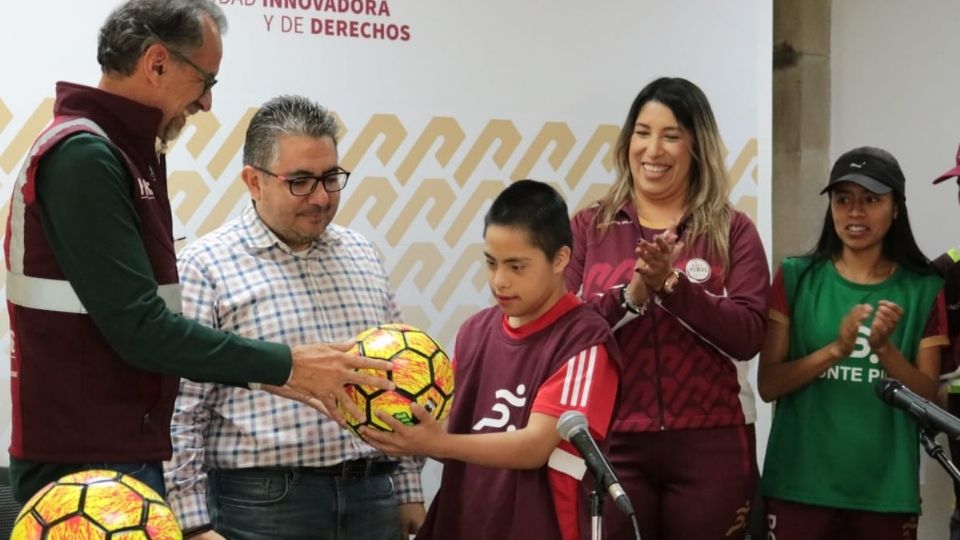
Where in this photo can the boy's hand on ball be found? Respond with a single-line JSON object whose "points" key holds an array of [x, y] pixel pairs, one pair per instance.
{"points": [[416, 440]]}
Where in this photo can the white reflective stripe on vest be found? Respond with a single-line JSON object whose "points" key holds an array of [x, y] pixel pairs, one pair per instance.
{"points": [[567, 463], [18, 207], [58, 295]]}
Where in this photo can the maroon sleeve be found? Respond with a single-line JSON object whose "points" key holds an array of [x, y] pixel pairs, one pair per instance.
{"points": [[950, 270], [943, 263], [606, 304], [937, 319], [573, 275], [734, 323]]}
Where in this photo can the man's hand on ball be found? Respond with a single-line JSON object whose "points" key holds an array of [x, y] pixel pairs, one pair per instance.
{"points": [[321, 371]]}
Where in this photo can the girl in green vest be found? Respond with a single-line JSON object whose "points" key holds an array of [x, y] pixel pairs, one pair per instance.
{"points": [[864, 304]]}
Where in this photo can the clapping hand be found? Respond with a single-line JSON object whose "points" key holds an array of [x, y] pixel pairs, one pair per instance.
{"points": [[884, 322], [655, 258], [850, 329]]}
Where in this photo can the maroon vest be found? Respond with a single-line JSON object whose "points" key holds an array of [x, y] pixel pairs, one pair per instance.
{"points": [[497, 381], [74, 399]]}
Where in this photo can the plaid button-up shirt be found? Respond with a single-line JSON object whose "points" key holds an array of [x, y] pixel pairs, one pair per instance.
{"points": [[242, 279]]}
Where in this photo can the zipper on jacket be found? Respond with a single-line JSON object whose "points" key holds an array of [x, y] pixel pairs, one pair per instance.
{"points": [[656, 356]]}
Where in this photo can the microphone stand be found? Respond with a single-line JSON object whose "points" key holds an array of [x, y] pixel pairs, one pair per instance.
{"points": [[596, 514], [596, 511], [935, 451]]}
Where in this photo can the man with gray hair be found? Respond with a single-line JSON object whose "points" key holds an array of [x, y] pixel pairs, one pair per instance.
{"points": [[257, 467], [98, 343]]}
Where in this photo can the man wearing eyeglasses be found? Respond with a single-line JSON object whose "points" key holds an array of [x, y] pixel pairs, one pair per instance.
{"points": [[98, 342], [948, 264], [257, 467]]}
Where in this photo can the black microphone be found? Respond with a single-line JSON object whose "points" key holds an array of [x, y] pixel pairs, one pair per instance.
{"points": [[572, 427], [926, 414]]}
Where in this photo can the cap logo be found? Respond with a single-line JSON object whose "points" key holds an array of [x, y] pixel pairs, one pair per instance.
{"points": [[858, 165]]}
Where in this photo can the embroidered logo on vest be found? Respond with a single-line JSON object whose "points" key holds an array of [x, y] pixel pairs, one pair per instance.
{"points": [[145, 191]]}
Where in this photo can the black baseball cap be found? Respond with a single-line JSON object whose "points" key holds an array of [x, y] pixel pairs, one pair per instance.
{"points": [[873, 168]]}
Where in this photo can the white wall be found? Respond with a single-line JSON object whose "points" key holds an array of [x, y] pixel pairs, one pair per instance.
{"points": [[895, 83]]}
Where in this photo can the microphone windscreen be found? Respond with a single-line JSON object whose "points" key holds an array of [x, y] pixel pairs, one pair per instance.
{"points": [[885, 388], [569, 423]]}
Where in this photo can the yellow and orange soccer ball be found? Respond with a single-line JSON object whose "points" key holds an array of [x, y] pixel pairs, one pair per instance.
{"points": [[421, 370], [97, 504]]}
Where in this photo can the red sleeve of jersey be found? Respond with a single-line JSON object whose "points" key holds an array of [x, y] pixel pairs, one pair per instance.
{"points": [[566, 498], [778, 295], [587, 382]]}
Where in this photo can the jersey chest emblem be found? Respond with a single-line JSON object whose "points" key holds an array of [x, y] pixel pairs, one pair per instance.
{"points": [[500, 412]]}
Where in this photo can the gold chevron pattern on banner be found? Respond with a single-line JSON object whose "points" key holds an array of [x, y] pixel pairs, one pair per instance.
{"points": [[419, 191]]}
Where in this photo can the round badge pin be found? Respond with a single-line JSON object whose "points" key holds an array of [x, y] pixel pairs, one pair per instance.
{"points": [[698, 270]]}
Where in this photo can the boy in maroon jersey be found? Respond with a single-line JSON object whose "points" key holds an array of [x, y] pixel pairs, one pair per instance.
{"points": [[518, 367]]}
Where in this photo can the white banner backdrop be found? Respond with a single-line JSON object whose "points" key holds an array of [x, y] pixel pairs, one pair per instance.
{"points": [[442, 104]]}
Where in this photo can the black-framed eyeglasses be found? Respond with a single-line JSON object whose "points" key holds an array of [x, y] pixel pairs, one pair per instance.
{"points": [[301, 186], [209, 81]]}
